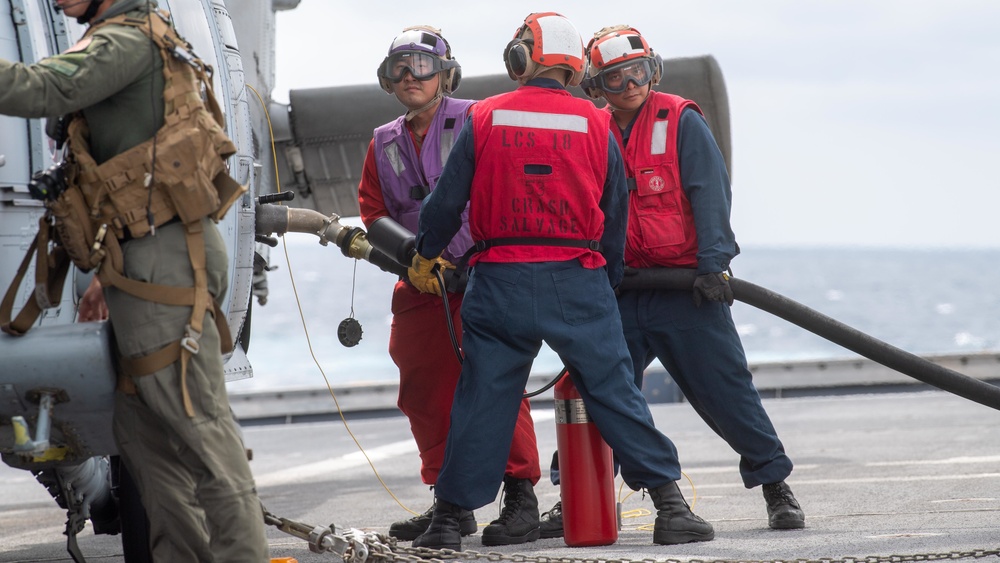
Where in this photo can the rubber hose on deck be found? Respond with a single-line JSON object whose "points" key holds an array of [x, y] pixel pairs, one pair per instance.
{"points": [[830, 329]]}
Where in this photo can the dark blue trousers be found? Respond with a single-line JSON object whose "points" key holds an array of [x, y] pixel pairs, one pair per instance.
{"points": [[700, 348], [508, 311]]}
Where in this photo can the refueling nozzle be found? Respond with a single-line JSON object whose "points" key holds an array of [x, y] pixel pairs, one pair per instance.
{"points": [[352, 241], [388, 245], [393, 239]]}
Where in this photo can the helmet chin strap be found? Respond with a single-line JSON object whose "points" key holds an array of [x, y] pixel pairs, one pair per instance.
{"points": [[611, 105], [437, 98], [415, 112]]}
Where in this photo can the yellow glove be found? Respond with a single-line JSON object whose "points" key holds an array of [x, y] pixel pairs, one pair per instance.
{"points": [[421, 273], [445, 265]]}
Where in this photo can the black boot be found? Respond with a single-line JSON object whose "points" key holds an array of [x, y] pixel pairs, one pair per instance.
{"points": [[552, 524], [783, 511], [443, 530], [409, 529], [518, 521], [675, 523]]}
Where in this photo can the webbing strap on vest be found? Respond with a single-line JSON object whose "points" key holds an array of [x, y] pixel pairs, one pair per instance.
{"points": [[482, 245], [197, 297], [50, 275]]}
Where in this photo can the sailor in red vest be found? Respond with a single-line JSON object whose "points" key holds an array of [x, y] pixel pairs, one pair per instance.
{"points": [[402, 166], [679, 209], [548, 208]]}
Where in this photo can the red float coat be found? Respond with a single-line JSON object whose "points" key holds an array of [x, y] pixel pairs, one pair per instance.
{"points": [[661, 229], [539, 177]]}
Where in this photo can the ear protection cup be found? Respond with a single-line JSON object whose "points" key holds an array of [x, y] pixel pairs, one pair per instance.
{"points": [[383, 82], [517, 59], [452, 79], [657, 68], [589, 86]]}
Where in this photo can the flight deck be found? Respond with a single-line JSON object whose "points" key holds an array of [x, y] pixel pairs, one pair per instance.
{"points": [[910, 475]]}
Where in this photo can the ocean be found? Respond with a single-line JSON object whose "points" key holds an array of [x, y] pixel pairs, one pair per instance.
{"points": [[939, 301]]}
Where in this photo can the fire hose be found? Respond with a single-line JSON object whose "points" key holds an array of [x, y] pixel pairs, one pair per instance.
{"points": [[354, 242], [835, 331]]}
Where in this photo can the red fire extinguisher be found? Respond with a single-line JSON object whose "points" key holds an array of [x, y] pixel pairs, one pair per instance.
{"points": [[586, 473]]}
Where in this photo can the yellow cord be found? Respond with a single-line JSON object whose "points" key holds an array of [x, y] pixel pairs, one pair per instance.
{"points": [[302, 317], [694, 490]]}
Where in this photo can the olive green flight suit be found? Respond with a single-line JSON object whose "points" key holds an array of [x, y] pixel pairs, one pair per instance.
{"points": [[193, 474]]}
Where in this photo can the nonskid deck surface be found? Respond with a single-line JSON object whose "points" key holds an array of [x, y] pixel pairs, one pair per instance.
{"points": [[894, 474]]}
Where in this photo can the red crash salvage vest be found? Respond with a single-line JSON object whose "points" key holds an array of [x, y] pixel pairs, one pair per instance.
{"points": [[541, 163], [660, 223]]}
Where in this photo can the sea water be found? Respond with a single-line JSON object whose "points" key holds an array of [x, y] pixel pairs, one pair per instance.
{"points": [[939, 301]]}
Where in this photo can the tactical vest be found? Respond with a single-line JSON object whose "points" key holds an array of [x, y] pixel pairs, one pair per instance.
{"points": [[541, 165], [661, 230], [406, 177], [186, 177], [180, 174]]}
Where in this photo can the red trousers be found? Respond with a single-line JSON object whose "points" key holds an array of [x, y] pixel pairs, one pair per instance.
{"points": [[421, 347]]}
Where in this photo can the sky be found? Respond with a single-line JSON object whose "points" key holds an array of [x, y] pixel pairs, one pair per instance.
{"points": [[869, 123]]}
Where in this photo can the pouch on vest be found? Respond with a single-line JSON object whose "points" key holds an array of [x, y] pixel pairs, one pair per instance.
{"points": [[187, 185], [194, 173], [74, 230], [657, 208]]}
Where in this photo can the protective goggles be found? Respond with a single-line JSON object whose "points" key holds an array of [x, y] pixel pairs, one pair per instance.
{"points": [[615, 80], [421, 66]]}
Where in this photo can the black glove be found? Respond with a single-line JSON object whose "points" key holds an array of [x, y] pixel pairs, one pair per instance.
{"points": [[714, 287]]}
